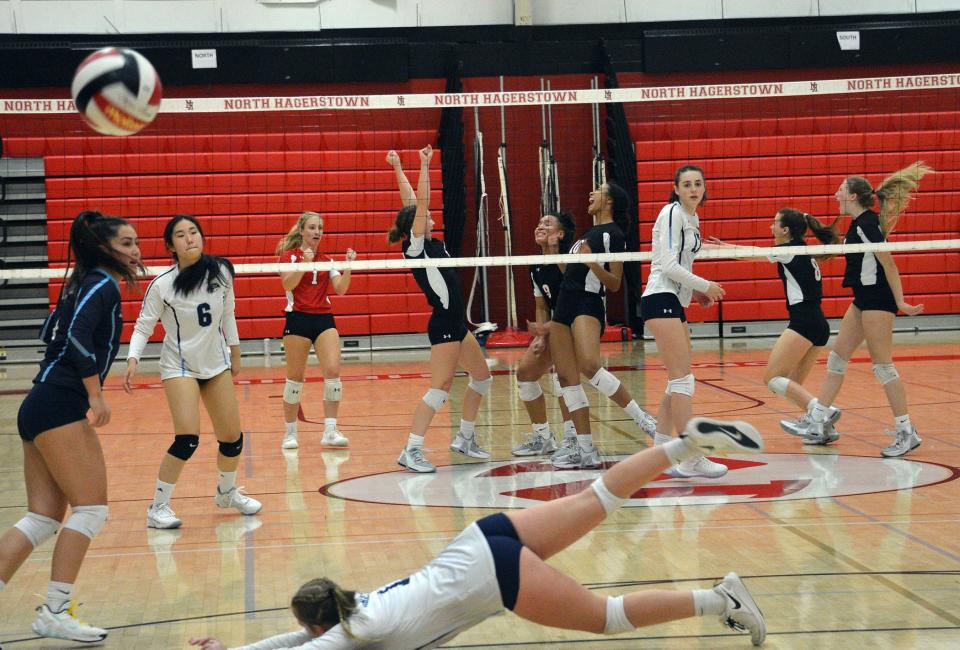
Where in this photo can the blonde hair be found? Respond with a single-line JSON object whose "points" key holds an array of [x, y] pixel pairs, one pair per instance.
{"points": [[293, 239], [322, 602], [894, 193]]}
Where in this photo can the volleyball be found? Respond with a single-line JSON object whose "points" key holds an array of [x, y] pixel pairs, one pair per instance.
{"points": [[116, 91]]}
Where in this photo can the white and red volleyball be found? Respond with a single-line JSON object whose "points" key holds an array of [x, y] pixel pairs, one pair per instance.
{"points": [[117, 91]]}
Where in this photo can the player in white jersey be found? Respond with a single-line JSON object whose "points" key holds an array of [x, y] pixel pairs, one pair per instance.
{"points": [[198, 360], [670, 288], [500, 562]]}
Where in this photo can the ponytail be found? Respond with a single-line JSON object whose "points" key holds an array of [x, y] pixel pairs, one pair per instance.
{"points": [[322, 602], [893, 194], [798, 223], [403, 224], [90, 236], [294, 237]]}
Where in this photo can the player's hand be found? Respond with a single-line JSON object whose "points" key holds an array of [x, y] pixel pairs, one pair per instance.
{"points": [[208, 643], [129, 374], [235, 362], [308, 254], [426, 155], [99, 414], [393, 158], [714, 292], [538, 329], [717, 242], [910, 310], [538, 345], [703, 299], [351, 255]]}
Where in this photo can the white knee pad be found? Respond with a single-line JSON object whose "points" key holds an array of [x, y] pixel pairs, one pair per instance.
{"points": [[529, 390], [605, 382], [683, 386], [885, 372], [610, 502], [332, 389], [836, 364], [617, 621], [87, 520], [779, 385], [291, 391], [436, 398], [480, 386], [37, 528], [574, 397]]}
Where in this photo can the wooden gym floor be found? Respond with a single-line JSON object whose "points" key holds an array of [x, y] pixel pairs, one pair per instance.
{"points": [[840, 547]]}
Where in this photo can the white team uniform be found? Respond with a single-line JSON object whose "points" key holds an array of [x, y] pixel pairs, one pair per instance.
{"points": [[454, 592], [676, 242], [199, 327]]}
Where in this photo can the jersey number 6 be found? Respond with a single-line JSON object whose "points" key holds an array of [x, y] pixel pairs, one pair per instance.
{"points": [[203, 314]]}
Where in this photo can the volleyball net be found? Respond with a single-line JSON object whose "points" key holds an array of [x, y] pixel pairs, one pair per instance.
{"points": [[509, 151]]}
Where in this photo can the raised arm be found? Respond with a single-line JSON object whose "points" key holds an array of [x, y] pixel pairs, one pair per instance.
{"points": [[407, 197], [341, 281], [419, 228]]}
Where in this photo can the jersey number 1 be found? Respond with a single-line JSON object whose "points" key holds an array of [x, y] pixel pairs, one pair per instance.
{"points": [[203, 314]]}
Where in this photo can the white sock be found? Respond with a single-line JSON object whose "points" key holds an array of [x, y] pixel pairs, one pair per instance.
{"points": [[585, 442], [2, 585], [542, 430], [226, 482], [819, 412], [569, 429], [467, 429], [290, 427], [633, 410], [164, 493], [58, 596], [708, 602], [813, 402], [679, 450], [414, 441], [903, 423], [661, 438], [329, 425]]}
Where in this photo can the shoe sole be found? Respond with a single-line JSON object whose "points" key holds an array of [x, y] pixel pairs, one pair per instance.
{"points": [[69, 638], [418, 471], [821, 443], [735, 435], [741, 592], [675, 473], [885, 455], [287, 445], [469, 455]]}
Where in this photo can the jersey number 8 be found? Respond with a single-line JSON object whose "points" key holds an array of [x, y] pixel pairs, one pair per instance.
{"points": [[816, 269]]}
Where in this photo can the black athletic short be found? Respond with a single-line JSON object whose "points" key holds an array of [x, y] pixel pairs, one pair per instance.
{"points": [[505, 546], [874, 299], [445, 327], [47, 407], [309, 326], [807, 320], [572, 303], [662, 305]]}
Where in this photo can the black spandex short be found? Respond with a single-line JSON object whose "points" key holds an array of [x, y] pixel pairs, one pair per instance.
{"points": [[309, 326], [662, 305], [807, 320], [505, 545], [446, 328], [571, 304], [874, 299], [48, 407]]}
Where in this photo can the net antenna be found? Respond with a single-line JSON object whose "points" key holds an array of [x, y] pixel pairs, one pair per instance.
{"points": [[549, 181], [599, 164], [505, 218], [483, 235]]}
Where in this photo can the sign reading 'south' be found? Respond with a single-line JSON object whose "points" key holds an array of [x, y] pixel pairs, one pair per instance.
{"points": [[767, 477]]}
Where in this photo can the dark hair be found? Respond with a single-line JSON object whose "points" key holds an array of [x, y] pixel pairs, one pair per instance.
{"points": [[403, 224], [676, 181], [208, 269], [569, 227], [798, 223], [620, 205], [322, 602], [90, 236], [894, 193]]}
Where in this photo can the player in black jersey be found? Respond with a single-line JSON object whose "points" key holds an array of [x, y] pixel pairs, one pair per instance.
{"points": [[554, 235], [799, 345], [578, 321], [877, 295], [62, 458], [451, 344]]}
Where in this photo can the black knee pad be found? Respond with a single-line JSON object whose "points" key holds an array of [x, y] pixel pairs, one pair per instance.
{"points": [[184, 444], [232, 449]]}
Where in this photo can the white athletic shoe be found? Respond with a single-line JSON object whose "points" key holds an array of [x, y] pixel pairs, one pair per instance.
{"points": [[742, 613], [535, 445], [647, 424], [290, 440], [66, 625], [334, 438], [162, 516], [723, 436], [905, 442], [580, 458], [469, 447], [413, 459], [820, 433], [800, 426], [568, 445], [234, 498], [699, 467]]}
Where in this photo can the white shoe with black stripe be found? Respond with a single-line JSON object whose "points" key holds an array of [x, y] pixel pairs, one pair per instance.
{"points": [[742, 613], [722, 436]]}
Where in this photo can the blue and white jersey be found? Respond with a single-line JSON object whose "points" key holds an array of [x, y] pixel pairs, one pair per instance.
{"points": [[675, 244], [199, 327], [83, 333], [454, 592]]}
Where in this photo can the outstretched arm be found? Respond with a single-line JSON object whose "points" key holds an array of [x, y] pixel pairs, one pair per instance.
{"points": [[419, 228], [407, 197]]}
